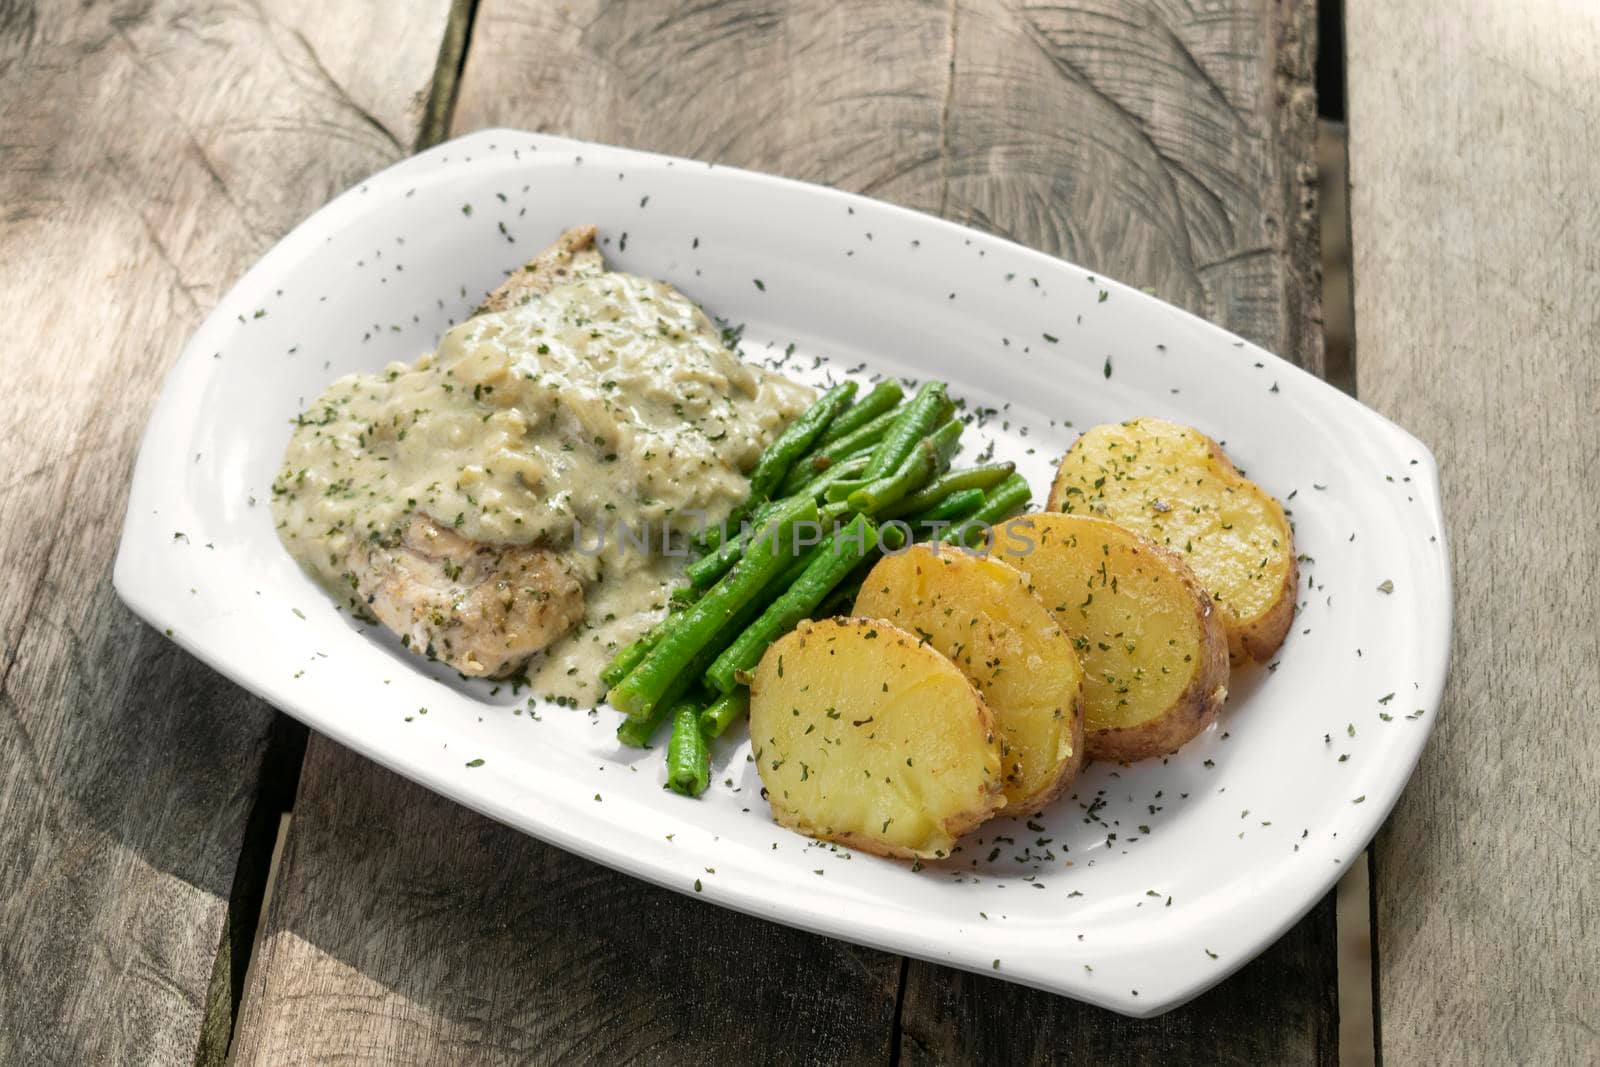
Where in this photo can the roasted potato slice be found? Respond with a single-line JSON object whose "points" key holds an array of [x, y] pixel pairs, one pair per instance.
{"points": [[1176, 486], [865, 736], [1155, 657], [981, 614]]}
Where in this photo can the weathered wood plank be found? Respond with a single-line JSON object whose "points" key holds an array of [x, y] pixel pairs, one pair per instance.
{"points": [[607, 968], [408, 929], [148, 152], [849, 95], [1173, 149], [1474, 156], [1033, 132], [1167, 147]]}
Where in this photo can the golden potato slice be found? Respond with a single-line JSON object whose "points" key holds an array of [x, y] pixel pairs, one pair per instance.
{"points": [[1154, 654], [864, 736], [981, 614], [1176, 486]]}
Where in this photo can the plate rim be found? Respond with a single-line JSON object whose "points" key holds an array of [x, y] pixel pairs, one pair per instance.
{"points": [[143, 594]]}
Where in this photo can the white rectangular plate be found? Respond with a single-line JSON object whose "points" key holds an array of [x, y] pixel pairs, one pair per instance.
{"points": [[1145, 886]]}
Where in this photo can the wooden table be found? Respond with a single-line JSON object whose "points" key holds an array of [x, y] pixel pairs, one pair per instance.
{"points": [[151, 149]]}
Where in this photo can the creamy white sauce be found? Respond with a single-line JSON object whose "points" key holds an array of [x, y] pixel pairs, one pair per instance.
{"points": [[608, 403]]}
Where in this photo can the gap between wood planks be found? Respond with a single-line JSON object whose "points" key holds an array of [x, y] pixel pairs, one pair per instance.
{"points": [[1357, 933], [441, 103], [270, 817], [252, 880]]}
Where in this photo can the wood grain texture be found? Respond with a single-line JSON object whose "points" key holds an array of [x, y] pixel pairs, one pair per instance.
{"points": [[1170, 149], [1170, 145], [1163, 146], [409, 930], [148, 152], [1474, 156], [1173, 148]]}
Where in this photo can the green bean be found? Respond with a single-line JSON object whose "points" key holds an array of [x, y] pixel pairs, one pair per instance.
{"points": [[1009, 496], [958, 505], [868, 433], [639, 730], [710, 536], [985, 477], [925, 411], [946, 439], [637, 733], [884, 395], [705, 571], [841, 489], [827, 515], [828, 567], [866, 436], [725, 711], [796, 440], [849, 467], [914, 473], [713, 535], [843, 598], [751, 508], [682, 596], [631, 655], [931, 523], [688, 758], [641, 691], [923, 464]]}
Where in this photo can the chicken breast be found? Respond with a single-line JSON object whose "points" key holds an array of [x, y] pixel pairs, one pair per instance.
{"points": [[483, 609], [572, 256]]}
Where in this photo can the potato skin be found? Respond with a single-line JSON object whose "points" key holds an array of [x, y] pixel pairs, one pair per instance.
{"points": [[1154, 476], [1196, 710], [981, 613], [1063, 563], [835, 676], [1258, 638]]}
